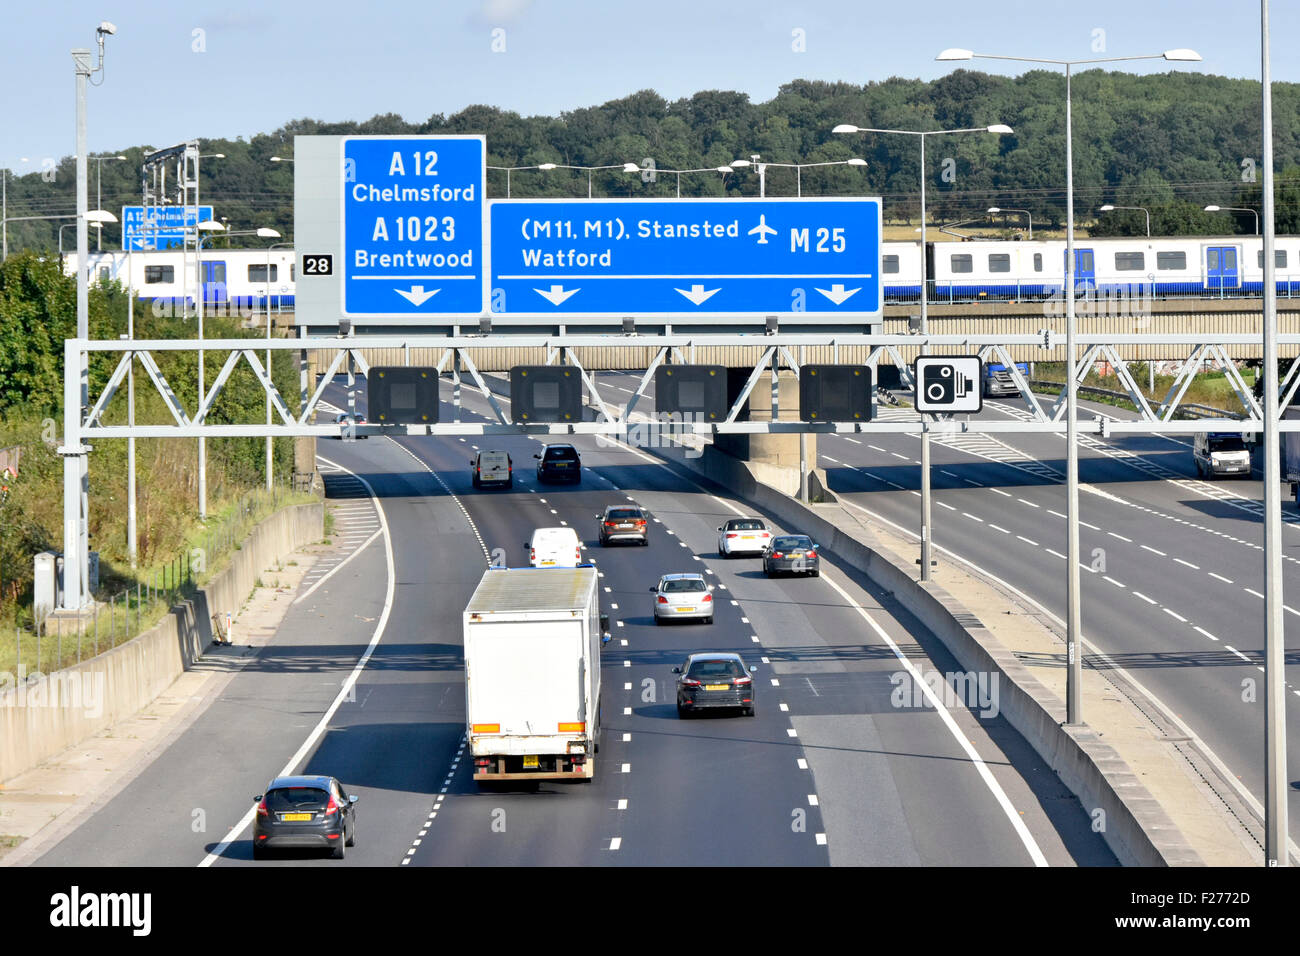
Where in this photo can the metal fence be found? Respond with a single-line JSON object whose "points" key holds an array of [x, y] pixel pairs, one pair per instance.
{"points": [[122, 613]]}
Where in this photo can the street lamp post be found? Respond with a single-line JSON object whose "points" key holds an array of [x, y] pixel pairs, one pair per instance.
{"points": [[1142, 209], [1236, 209], [994, 210], [625, 167], [634, 168], [99, 198], [198, 306], [1074, 634], [800, 167], [510, 169], [927, 527]]}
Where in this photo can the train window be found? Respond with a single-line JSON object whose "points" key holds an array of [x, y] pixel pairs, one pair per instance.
{"points": [[153, 274], [963, 264], [889, 264], [293, 269], [1038, 262], [1279, 258], [999, 262], [1130, 261], [1171, 260], [257, 273]]}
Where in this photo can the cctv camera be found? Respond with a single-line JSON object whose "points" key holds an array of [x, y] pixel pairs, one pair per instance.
{"points": [[106, 27]]}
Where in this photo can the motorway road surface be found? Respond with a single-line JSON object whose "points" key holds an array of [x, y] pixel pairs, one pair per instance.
{"points": [[829, 771]]}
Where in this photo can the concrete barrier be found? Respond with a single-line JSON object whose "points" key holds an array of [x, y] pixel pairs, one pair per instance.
{"points": [[1137, 829], [40, 718]]}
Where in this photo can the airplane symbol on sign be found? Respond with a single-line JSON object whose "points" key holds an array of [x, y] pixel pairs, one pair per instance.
{"points": [[763, 230]]}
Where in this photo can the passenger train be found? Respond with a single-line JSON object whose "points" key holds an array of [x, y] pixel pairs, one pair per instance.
{"points": [[958, 272]]}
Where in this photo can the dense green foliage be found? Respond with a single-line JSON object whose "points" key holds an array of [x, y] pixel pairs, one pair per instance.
{"points": [[37, 311], [1171, 142]]}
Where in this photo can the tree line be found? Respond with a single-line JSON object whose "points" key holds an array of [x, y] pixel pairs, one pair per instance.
{"points": [[1171, 143]]}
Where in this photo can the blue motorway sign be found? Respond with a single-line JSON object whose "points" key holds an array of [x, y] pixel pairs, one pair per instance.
{"points": [[413, 226], [708, 257], [159, 227]]}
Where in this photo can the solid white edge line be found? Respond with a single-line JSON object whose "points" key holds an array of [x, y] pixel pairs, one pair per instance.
{"points": [[344, 692], [1013, 815], [1112, 665]]}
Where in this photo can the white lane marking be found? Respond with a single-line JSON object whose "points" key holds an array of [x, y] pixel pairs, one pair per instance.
{"points": [[1086, 525], [1153, 550], [775, 682], [854, 440], [1253, 591], [1057, 554], [622, 803], [812, 799], [821, 839], [627, 768], [1229, 647], [785, 708], [615, 842], [948, 473], [1194, 567], [1139, 594], [791, 732], [627, 711], [1027, 540], [942, 505], [1056, 513], [972, 517], [338, 567], [345, 691], [1226, 774], [1113, 581], [1024, 501], [1120, 536], [829, 458], [1205, 632], [1221, 578], [897, 455], [801, 763], [997, 527], [999, 491], [876, 447], [1174, 614], [626, 738], [1013, 816]]}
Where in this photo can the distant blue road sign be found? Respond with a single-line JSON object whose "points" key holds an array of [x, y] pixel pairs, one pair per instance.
{"points": [[413, 226], [159, 227], [686, 257]]}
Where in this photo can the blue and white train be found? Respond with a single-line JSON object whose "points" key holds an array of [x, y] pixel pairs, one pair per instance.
{"points": [[233, 279], [958, 272]]}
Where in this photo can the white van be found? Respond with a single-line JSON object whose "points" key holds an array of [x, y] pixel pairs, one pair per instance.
{"points": [[493, 468], [1220, 453], [554, 548]]}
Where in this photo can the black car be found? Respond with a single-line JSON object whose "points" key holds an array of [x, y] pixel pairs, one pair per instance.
{"points": [[792, 554], [714, 680], [305, 812], [559, 463], [623, 523]]}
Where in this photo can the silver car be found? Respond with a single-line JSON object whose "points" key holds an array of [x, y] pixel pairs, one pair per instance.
{"points": [[683, 596]]}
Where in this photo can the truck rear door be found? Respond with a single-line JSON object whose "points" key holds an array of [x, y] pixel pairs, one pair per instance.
{"points": [[528, 683]]}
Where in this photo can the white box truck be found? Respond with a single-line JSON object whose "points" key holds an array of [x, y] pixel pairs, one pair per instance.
{"points": [[1290, 448], [532, 674]]}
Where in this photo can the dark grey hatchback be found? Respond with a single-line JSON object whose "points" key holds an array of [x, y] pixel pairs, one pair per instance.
{"points": [[714, 680], [304, 812], [792, 554]]}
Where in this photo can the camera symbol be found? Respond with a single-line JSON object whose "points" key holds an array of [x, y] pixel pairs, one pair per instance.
{"points": [[943, 385]]}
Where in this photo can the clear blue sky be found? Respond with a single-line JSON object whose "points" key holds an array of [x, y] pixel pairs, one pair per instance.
{"points": [[335, 60]]}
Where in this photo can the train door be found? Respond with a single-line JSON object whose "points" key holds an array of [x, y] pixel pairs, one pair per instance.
{"points": [[1085, 271], [1221, 268], [214, 283]]}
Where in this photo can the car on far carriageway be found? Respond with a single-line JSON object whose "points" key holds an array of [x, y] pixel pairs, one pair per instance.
{"points": [[792, 554], [714, 680], [685, 596], [743, 536], [624, 523], [348, 423], [304, 811]]}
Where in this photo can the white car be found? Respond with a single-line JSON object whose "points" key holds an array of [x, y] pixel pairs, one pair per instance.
{"points": [[743, 536], [554, 548]]}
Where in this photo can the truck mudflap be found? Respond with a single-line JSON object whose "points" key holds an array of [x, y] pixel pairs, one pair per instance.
{"points": [[549, 767]]}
